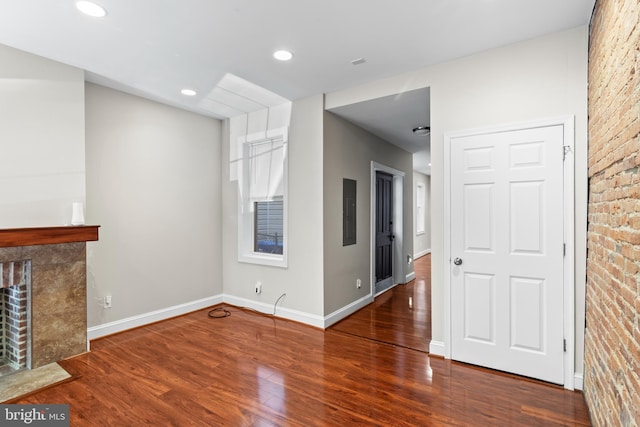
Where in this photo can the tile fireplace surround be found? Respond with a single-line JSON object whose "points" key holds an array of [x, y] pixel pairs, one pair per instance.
{"points": [[58, 286]]}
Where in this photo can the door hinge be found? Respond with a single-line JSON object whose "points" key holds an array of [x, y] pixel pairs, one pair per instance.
{"points": [[564, 249], [564, 345], [565, 149]]}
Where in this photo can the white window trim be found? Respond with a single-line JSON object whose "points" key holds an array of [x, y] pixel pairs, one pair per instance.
{"points": [[245, 216]]}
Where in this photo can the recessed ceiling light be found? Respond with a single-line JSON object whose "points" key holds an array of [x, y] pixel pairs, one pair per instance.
{"points": [[91, 9], [188, 92], [283, 55]]}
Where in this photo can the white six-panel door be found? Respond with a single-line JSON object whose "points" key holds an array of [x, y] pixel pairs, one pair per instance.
{"points": [[507, 237]]}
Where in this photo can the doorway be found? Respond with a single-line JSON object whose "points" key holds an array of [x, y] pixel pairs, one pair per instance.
{"points": [[390, 254], [384, 232]]}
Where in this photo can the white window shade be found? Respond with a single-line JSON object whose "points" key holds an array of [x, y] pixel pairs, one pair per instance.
{"points": [[266, 169]]}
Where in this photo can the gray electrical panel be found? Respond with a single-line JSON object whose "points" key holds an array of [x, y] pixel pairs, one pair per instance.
{"points": [[348, 212]]}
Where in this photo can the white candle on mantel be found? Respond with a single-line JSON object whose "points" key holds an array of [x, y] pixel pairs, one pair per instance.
{"points": [[77, 214]]}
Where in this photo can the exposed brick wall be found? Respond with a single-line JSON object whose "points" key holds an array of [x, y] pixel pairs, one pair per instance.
{"points": [[612, 341]]}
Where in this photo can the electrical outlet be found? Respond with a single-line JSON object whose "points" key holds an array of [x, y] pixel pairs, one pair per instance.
{"points": [[258, 288], [358, 283], [106, 303]]}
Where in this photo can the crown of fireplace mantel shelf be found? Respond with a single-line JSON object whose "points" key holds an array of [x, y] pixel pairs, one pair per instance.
{"points": [[31, 236]]}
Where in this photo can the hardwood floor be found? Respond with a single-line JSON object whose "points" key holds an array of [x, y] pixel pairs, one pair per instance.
{"points": [[401, 316], [254, 370]]}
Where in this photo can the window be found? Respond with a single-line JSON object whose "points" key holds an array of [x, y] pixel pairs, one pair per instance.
{"points": [[262, 209], [268, 227]]}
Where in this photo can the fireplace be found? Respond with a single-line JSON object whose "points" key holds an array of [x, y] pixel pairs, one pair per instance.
{"points": [[43, 309]]}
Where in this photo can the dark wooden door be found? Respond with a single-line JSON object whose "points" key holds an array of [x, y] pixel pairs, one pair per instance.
{"points": [[384, 228]]}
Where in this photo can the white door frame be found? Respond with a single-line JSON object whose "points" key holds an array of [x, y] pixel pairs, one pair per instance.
{"points": [[398, 242], [568, 200]]}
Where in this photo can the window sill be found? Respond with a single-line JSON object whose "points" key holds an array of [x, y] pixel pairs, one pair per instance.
{"points": [[264, 259]]}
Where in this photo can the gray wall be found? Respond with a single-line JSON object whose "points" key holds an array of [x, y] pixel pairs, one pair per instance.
{"points": [[348, 152], [153, 184], [422, 242], [42, 166]]}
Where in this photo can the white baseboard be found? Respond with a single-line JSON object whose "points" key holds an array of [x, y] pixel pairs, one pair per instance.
{"points": [[285, 313], [436, 348], [347, 310], [410, 277], [578, 381], [178, 310], [421, 254], [153, 316]]}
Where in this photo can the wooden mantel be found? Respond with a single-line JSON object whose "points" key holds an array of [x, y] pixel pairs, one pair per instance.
{"points": [[12, 237]]}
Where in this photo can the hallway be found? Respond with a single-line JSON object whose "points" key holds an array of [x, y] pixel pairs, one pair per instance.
{"points": [[400, 316]]}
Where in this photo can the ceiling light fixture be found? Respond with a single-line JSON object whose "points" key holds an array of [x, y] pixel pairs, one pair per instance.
{"points": [[283, 55], [188, 92], [91, 9], [422, 131]]}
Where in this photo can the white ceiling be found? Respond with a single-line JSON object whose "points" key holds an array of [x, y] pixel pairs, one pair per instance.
{"points": [[155, 48]]}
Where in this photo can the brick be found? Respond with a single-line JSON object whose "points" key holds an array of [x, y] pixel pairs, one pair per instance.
{"points": [[13, 319], [18, 268], [6, 275], [633, 237], [633, 221], [612, 341]]}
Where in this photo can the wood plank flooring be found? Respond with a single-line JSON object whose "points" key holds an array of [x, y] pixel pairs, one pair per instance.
{"points": [[401, 316], [254, 370]]}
